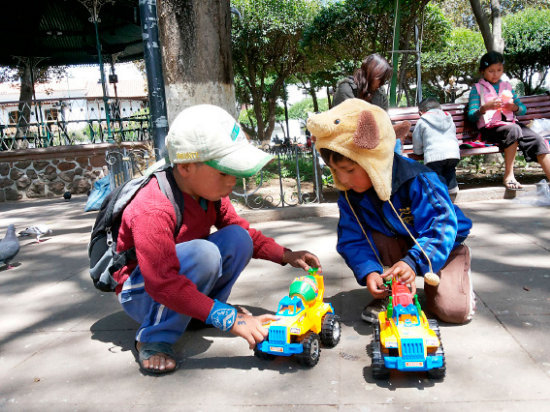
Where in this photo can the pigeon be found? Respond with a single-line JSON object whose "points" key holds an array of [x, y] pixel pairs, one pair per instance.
{"points": [[9, 247], [36, 230], [67, 195]]}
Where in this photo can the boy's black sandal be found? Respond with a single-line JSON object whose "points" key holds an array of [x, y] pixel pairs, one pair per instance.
{"points": [[149, 349]]}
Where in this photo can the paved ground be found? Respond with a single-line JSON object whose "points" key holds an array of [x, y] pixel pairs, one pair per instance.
{"points": [[66, 346]]}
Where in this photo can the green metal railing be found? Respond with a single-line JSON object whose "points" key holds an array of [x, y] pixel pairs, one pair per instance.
{"points": [[70, 121]]}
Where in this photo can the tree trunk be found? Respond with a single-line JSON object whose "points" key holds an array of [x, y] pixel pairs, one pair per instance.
{"points": [[496, 17], [313, 94], [25, 101], [195, 37], [491, 37]]}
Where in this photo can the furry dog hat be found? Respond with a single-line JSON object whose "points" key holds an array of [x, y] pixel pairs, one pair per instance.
{"points": [[363, 133]]}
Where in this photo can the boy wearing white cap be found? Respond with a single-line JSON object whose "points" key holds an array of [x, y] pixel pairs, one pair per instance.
{"points": [[189, 274], [396, 216]]}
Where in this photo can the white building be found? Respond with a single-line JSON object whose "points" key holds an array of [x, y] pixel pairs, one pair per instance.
{"points": [[76, 104]]}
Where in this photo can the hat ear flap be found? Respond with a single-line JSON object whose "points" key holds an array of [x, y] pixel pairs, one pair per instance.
{"points": [[402, 129], [367, 135]]}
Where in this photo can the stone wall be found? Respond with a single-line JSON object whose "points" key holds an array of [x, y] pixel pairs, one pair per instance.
{"points": [[50, 172]]}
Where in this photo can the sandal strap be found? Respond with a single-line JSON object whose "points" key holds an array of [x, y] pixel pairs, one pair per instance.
{"points": [[149, 349]]}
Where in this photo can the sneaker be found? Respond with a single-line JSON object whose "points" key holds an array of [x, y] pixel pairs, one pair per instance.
{"points": [[371, 311]]}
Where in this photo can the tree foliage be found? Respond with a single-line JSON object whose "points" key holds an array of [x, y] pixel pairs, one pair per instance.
{"points": [[458, 58], [346, 32], [527, 37], [300, 110], [266, 52]]}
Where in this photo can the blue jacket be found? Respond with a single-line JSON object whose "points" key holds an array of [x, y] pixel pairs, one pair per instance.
{"points": [[423, 202]]}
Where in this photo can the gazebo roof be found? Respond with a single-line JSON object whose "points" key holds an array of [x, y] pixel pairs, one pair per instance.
{"points": [[61, 32]]}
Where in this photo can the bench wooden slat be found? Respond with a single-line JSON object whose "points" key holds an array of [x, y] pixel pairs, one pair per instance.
{"points": [[538, 107]]}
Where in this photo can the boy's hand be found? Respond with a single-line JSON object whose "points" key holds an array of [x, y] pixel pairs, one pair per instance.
{"points": [[301, 259], [403, 273], [251, 327], [375, 285]]}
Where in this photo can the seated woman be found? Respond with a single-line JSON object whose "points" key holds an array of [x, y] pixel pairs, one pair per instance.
{"points": [[493, 105]]}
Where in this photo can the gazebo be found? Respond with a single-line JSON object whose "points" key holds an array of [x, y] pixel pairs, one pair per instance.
{"points": [[72, 32]]}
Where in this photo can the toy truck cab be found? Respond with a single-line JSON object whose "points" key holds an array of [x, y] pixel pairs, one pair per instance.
{"points": [[404, 339], [304, 321]]}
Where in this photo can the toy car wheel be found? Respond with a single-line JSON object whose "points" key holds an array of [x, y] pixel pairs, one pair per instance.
{"points": [[437, 373], [330, 330], [312, 350], [379, 370], [262, 355], [434, 325]]}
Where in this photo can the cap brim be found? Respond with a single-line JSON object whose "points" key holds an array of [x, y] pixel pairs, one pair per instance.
{"points": [[244, 161]]}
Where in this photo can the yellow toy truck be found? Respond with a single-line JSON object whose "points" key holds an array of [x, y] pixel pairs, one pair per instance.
{"points": [[404, 339], [304, 322]]}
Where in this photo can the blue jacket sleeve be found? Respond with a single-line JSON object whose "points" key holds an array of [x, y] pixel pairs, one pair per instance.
{"points": [[435, 224], [353, 246]]}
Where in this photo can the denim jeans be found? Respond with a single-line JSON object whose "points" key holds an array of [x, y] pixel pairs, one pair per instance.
{"points": [[212, 264]]}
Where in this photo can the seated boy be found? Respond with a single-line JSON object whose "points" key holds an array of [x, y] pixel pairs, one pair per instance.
{"points": [[189, 274], [394, 212], [434, 137]]}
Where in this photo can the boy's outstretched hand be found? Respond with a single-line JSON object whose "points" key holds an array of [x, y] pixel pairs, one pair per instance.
{"points": [[301, 259], [375, 285], [251, 327], [402, 272]]}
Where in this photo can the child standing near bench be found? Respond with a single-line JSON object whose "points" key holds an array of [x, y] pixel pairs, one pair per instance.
{"points": [[493, 106], [434, 136]]}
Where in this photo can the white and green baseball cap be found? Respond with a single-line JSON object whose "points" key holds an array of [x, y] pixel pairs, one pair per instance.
{"points": [[207, 133]]}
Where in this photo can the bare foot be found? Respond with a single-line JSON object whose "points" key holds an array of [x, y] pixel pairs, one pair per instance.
{"points": [[158, 363]]}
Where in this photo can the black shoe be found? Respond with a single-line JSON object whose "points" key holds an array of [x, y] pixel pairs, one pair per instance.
{"points": [[371, 311]]}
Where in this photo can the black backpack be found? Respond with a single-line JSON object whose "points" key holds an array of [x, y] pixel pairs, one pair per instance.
{"points": [[104, 260]]}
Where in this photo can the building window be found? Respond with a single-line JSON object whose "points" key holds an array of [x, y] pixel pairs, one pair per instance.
{"points": [[14, 116], [51, 114]]}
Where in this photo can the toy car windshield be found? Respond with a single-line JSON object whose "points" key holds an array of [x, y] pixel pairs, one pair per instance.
{"points": [[290, 306]]}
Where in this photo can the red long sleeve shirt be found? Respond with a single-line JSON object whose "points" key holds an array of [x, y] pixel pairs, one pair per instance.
{"points": [[149, 224]]}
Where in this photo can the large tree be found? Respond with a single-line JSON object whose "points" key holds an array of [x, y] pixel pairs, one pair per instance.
{"points": [[195, 38], [267, 52]]}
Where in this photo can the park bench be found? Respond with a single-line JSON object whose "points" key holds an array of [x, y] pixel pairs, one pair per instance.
{"points": [[538, 107]]}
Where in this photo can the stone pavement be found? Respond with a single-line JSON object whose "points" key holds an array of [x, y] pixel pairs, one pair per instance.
{"points": [[66, 346]]}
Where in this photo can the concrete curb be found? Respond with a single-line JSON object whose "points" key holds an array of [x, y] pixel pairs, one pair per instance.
{"points": [[489, 193]]}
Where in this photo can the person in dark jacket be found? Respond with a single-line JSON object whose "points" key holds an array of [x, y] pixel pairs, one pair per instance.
{"points": [[396, 217], [366, 82]]}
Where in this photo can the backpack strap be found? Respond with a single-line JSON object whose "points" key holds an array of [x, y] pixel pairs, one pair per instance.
{"points": [[169, 187]]}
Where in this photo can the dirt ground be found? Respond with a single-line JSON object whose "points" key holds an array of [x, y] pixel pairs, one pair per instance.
{"points": [[492, 175]]}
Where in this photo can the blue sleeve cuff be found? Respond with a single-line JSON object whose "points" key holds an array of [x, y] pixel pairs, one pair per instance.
{"points": [[222, 316], [414, 266]]}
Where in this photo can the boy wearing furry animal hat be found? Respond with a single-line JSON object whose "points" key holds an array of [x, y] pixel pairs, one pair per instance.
{"points": [[396, 216]]}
